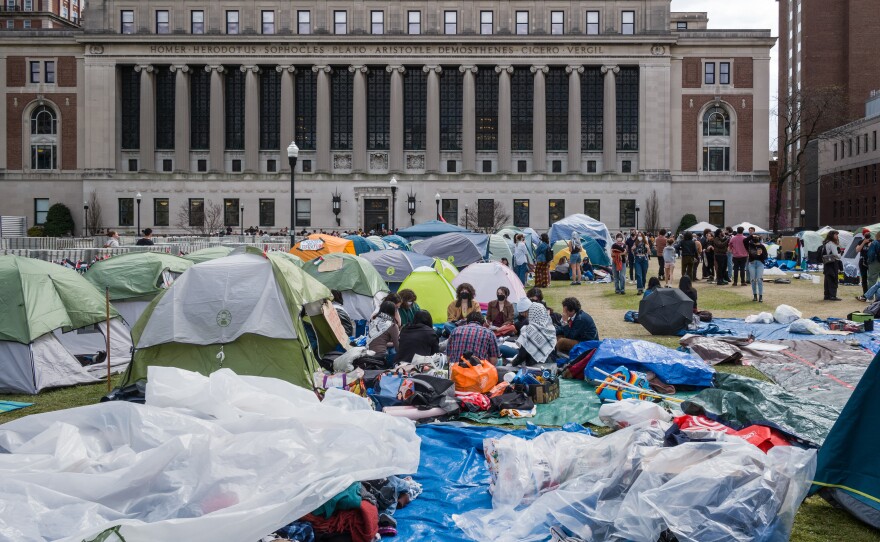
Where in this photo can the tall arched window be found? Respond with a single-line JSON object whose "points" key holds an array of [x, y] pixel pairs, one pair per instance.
{"points": [[44, 138], [716, 139]]}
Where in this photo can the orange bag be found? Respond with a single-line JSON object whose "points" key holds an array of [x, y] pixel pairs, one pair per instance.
{"points": [[474, 378]]}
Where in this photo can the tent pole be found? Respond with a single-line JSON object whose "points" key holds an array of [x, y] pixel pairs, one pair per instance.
{"points": [[107, 334]]}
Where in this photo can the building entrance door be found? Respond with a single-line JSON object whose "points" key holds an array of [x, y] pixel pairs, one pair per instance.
{"points": [[375, 214]]}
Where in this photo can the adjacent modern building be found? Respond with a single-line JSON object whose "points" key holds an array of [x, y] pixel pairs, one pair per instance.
{"points": [[827, 44], [171, 112], [40, 14]]}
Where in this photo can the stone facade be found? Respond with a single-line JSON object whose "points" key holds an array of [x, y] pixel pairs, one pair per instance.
{"points": [[673, 100]]}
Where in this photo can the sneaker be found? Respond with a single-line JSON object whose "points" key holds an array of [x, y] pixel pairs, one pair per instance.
{"points": [[834, 299], [573, 283], [861, 298], [640, 292]]}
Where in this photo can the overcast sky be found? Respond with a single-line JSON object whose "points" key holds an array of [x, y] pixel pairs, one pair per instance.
{"points": [[756, 14]]}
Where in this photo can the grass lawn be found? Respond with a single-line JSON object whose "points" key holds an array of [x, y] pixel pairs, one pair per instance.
{"points": [[816, 521]]}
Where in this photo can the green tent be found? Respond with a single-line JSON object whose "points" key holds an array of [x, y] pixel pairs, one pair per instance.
{"points": [[446, 269], [136, 275], [50, 315], [207, 254], [433, 291], [240, 312], [361, 286], [499, 247]]}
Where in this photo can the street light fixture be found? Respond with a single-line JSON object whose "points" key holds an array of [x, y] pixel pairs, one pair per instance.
{"points": [[411, 208], [803, 217], [465, 217], [337, 206], [437, 200], [241, 219], [86, 219], [292, 155], [393, 183], [637, 216], [138, 213]]}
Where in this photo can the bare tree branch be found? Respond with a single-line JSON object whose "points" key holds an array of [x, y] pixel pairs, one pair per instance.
{"points": [[208, 222], [499, 219], [93, 223], [652, 212]]}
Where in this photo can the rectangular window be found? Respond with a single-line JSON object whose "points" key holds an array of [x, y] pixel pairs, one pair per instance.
{"points": [[268, 22], [49, 71], [160, 212], [628, 109], [522, 89], [377, 22], [681, 25], [557, 22], [232, 22], [628, 22], [126, 211], [231, 212], [875, 140], [557, 110], [234, 81], [341, 112], [196, 212], [450, 22], [165, 101], [271, 166], [716, 212], [44, 157], [556, 166], [487, 166], [414, 22], [378, 110], [270, 110], [29, 5], [451, 166], [592, 208], [10, 24], [835, 151], [487, 26], [35, 71], [486, 110], [340, 22], [197, 22], [267, 213], [201, 165], [593, 23], [132, 164], [556, 209], [305, 121], [167, 165], [627, 213], [449, 210], [521, 213], [858, 146], [304, 22], [303, 213], [236, 165], [724, 73], [522, 22], [592, 111], [716, 158], [200, 109], [450, 109], [866, 142], [485, 213], [130, 98], [162, 24], [41, 209], [591, 166], [522, 166], [127, 21], [414, 110], [709, 71], [27, 23], [626, 166]]}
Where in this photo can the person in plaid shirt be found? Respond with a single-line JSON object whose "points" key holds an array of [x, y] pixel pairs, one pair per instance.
{"points": [[472, 337]]}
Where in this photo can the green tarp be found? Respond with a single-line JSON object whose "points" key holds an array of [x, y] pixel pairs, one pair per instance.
{"points": [[347, 273], [38, 297], [136, 274], [577, 403], [207, 254]]}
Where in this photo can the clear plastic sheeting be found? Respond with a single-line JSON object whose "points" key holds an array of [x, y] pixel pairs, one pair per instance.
{"points": [[627, 486], [223, 457]]}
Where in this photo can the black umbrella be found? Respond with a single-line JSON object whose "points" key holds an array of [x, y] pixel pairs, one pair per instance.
{"points": [[666, 312]]}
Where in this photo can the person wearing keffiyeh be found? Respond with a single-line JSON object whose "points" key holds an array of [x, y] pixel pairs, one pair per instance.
{"points": [[537, 339]]}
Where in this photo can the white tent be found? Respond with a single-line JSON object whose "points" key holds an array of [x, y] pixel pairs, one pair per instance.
{"points": [[700, 227], [747, 225], [487, 277]]}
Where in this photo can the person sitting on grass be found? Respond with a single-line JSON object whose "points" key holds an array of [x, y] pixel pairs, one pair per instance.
{"points": [[408, 307], [500, 311], [562, 270], [383, 333], [685, 286], [577, 326], [417, 338], [653, 285], [474, 338], [537, 338]]}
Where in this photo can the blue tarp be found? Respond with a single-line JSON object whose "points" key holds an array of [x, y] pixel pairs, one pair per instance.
{"points": [[454, 478], [583, 224], [397, 242], [670, 366], [431, 228], [396, 265], [361, 245], [597, 254]]}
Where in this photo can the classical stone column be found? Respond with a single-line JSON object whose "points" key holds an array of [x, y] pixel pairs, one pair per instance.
{"points": [[251, 118], [148, 118], [675, 96], [359, 119], [288, 105], [217, 143], [469, 120], [322, 123], [574, 118], [504, 118], [609, 120], [539, 119], [395, 158], [432, 120], [181, 117]]}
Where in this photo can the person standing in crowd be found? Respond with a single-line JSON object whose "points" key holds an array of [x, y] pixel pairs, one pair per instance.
{"points": [[576, 248], [543, 257], [831, 264], [757, 256], [737, 247], [383, 333], [641, 254], [719, 244], [708, 256], [417, 338], [112, 240], [474, 338], [618, 265], [577, 326], [686, 286], [500, 310], [688, 250], [862, 249], [630, 242], [660, 247], [344, 318], [408, 307], [521, 258], [147, 239], [668, 262], [873, 257], [537, 338], [728, 233]]}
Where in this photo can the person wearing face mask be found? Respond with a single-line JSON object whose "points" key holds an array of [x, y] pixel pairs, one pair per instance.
{"points": [[630, 242], [463, 305], [641, 253], [618, 265], [408, 306], [521, 258], [757, 256], [500, 310]]}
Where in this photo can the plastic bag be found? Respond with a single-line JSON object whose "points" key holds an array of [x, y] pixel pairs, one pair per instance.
{"points": [[476, 378], [760, 318], [631, 412], [343, 363], [806, 327], [785, 314]]}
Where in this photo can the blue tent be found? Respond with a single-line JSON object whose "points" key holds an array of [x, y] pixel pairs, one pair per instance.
{"points": [[396, 265], [361, 245], [597, 254], [583, 224], [431, 228], [670, 366], [397, 242], [459, 249]]}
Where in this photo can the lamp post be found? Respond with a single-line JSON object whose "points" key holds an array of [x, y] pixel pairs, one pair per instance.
{"points": [[437, 200], [637, 217], [337, 206], [292, 154], [411, 208], [803, 217], [241, 219], [85, 219], [465, 217], [138, 213], [393, 183]]}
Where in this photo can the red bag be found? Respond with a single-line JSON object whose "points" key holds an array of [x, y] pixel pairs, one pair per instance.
{"points": [[474, 402], [476, 378], [761, 436]]}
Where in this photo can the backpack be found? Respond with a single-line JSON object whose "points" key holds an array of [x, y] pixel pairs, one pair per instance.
{"points": [[575, 246], [548, 253]]}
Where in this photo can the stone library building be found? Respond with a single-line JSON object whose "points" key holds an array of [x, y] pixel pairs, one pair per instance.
{"points": [[165, 110]]}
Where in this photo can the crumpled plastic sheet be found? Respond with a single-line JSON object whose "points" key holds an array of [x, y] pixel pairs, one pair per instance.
{"points": [[224, 457], [627, 486], [765, 332]]}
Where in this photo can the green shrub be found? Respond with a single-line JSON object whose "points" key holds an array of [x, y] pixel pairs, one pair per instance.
{"points": [[687, 221], [36, 231], [59, 221]]}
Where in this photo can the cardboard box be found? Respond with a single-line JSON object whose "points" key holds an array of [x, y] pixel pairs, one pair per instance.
{"points": [[543, 393]]}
